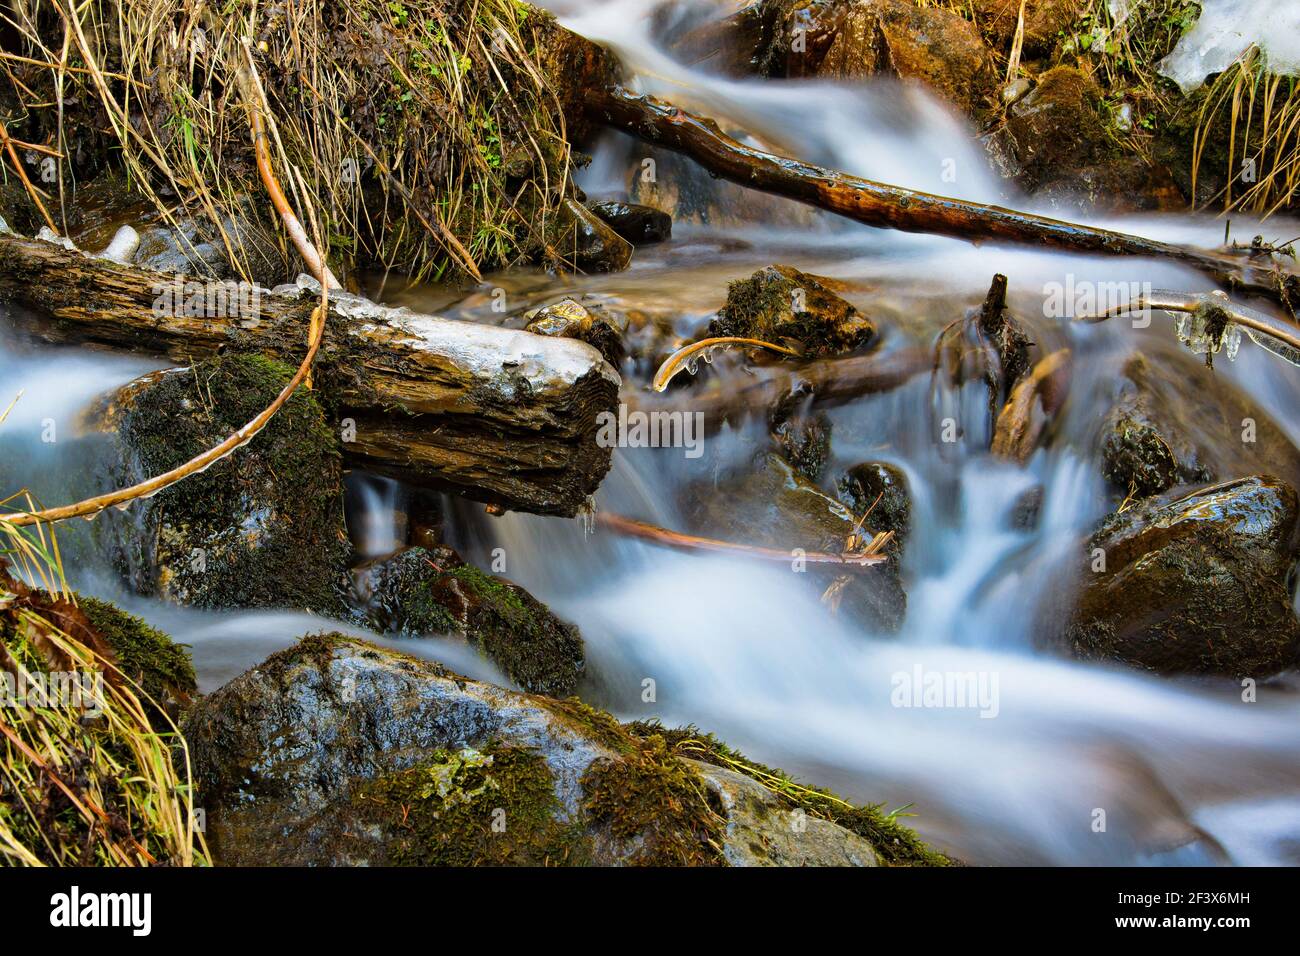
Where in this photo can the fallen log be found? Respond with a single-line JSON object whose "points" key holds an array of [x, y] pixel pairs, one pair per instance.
{"points": [[500, 416], [891, 207], [825, 382]]}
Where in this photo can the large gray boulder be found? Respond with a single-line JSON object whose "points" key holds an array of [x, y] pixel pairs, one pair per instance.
{"points": [[337, 751]]}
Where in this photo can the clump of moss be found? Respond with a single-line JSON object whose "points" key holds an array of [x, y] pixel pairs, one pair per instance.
{"points": [[896, 844], [263, 527], [653, 800], [783, 305], [591, 721], [1136, 458], [146, 655], [423, 591], [491, 807]]}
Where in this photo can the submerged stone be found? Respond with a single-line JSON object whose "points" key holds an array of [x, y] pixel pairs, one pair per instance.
{"points": [[639, 225], [1179, 423], [422, 591], [1199, 584]]}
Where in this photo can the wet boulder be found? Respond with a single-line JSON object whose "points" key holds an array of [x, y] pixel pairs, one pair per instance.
{"points": [[854, 38], [422, 591], [1058, 127], [1175, 422], [598, 327], [772, 506], [639, 225], [686, 191], [701, 35], [782, 305], [262, 527], [149, 658], [584, 238], [1197, 584], [338, 752], [882, 489]]}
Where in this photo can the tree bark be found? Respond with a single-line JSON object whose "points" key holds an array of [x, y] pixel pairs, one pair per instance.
{"points": [[500, 416], [826, 383], [890, 207]]}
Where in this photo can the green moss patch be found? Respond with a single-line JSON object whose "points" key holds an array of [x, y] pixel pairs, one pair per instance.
{"points": [[263, 527], [896, 844], [472, 808], [424, 591], [146, 655], [785, 306], [652, 799]]}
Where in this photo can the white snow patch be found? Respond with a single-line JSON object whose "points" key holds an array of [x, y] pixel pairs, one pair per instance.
{"points": [[1227, 29]]}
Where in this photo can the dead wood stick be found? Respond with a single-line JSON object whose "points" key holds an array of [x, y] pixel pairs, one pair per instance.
{"points": [[255, 100], [22, 175], [827, 382], [1018, 431], [631, 528], [891, 207]]}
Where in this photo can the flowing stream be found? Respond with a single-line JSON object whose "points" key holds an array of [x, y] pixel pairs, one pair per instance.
{"points": [[1184, 771]]}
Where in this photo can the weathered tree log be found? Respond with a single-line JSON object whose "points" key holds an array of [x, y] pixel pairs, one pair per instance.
{"points": [[826, 382], [890, 207], [500, 416]]}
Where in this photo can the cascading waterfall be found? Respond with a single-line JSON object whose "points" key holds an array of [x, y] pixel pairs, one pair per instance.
{"points": [[744, 650]]}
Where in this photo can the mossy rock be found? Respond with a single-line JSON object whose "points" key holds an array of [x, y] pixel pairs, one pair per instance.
{"points": [[894, 843], [263, 527], [421, 591], [656, 804], [1058, 129], [336, 751], [159, 666], [785, 306], [769, 504], [1197, 584]]}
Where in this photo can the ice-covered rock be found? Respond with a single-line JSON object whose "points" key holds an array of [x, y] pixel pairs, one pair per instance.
{"points": [[1225, 30]]}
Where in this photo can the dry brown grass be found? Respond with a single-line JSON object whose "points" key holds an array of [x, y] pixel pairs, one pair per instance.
{"points": [[417, 134]]}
